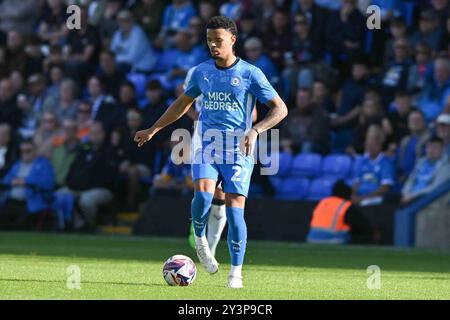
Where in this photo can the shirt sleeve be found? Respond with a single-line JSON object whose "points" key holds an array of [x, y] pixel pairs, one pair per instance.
{"points": [[387, 173], [191, 84], [260, 87]]}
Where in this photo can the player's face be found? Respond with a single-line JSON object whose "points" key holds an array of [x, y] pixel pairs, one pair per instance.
{"points": [[220, 42]]}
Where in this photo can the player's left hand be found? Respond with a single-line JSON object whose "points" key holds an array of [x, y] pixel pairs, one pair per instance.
{"points": [[248, 142]]}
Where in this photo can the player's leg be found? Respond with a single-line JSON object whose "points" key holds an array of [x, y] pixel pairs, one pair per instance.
{"points": [[204, 177], [237, 237], [217, 219]]}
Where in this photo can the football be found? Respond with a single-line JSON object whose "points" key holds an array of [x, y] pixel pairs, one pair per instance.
{"points": [[179, 270]]}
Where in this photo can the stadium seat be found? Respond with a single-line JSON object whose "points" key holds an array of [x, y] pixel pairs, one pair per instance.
{"points": [[320, 188], [292, 188], [284, 162], [140, 81], [337, 166], [306, 165]]}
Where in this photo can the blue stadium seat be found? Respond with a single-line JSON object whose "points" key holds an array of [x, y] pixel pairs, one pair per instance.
{"points": [[306, 165], [284, 162], [320, 188], [292, 188], [337, 166], [140, 81]]}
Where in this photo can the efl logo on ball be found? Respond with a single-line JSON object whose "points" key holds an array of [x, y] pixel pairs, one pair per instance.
{"points": [[179, 270]]}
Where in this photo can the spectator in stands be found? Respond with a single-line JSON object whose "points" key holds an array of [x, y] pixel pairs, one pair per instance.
{"points": [[436, 93], [198, 33], [412, 146], [29, 185], [84, 120], [8, 149], [375, 174], [91, 176], [52, 24], [148, 13], [65, 150], [127, 96], [395, 74], [67, 104], [421, 68], [111, 75], [429, 172], [254, 54], [337, 220], [398, 117], [345, 32], [107, 23], [104, 107], [322, 97], [81, 49], [232, 9], [306, 129], [55, 74], [9, 113], [441, 8], [443, 131], [398, 30], [18, 15], [131, 46], [177, 61], [135, 163], [177, 16], [16, 58], [278, 38], [45, 134], [248, 28], [206, 10], [17, 81], [429, 31]]}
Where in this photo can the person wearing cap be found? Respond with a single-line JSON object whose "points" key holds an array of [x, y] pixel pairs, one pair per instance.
{"points": [[429, 172], [429, 30], [131, 46], [443, 131]]}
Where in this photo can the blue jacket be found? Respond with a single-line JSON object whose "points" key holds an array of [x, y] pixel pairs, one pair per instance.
{"points": [[41, 177]]}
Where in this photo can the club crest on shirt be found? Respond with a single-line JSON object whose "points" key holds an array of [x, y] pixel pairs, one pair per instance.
{"points": [[235, 81]]}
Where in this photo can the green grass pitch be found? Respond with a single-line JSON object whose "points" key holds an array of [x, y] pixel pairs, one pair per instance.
{"points": [[34, 266]]}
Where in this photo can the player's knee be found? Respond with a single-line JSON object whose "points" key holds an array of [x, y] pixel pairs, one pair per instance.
{"points": [[203, 199], [234, 200]]}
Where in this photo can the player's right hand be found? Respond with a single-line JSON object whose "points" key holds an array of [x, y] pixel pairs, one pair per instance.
{"points": [[142, 137]]}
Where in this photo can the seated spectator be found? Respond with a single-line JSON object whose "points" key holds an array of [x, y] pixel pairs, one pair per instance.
{"points": [[420, 69], [255, 55], [436, 93], [429, 172], [345, 32], [9, 113], [135, 163], [443, 131], [176, 62], [111, 75], [64, 152], [398, 30], [16, 57], [395, 75], [81, 49], [83, 120], [46, 133], [55, 74], [412, 146], [131, 46], [91, 177], [177, 16], [8, 149], [336, 220], [278, 38], [375, 174], [52, 24], [174, 178], [29, 184], [127, 96], [66, 105], [232, 9], [429, 31], [148, 13], [322, 97], [306, 128], [206, 10], [19, 16], [248, 28], [398, 117], [441, 8]]}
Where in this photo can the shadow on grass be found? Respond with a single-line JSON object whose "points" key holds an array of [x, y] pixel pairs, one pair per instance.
{"points": [[88, 282], [266, 255]]}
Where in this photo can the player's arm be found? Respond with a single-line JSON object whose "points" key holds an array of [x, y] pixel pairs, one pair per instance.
{"points": [[278, 111], [175, 111]]}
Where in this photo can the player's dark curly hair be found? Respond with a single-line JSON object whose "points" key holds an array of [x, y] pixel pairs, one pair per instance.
{"points": [[222, 22]]}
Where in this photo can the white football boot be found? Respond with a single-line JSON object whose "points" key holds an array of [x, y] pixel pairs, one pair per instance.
{"points": [[235, 282], [205, 256]]}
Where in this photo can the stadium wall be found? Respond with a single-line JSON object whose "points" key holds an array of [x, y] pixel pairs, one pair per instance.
{"points": [[266, 219]]}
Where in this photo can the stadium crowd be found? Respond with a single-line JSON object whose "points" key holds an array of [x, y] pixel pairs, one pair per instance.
{"points": [[72, 100]]}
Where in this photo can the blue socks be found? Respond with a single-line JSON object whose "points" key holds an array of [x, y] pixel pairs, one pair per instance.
{"points": [[201, 203], [237, 235]]}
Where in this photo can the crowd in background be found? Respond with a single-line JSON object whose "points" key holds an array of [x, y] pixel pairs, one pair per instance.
{"points": [[72, 100]]}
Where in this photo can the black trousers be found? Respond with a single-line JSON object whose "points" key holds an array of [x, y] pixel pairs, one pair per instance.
{"points": [[15, 216]]}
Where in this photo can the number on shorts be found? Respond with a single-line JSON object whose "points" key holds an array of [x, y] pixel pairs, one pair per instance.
{"points": [[237, 173]]}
